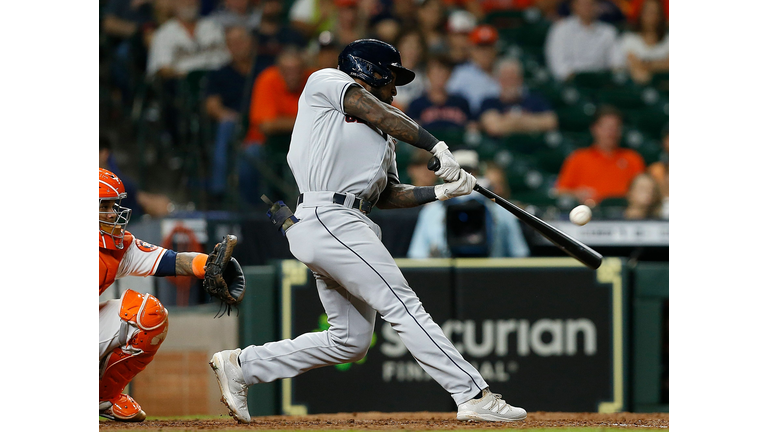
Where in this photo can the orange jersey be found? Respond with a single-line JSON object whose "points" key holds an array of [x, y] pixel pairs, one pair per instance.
{"points": [[137, 258], [608, 175]]}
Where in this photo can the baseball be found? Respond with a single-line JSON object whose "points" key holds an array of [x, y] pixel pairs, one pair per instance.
{"points": [[580, 215]]}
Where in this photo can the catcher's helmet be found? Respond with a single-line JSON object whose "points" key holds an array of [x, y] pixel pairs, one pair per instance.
{"points": [[366, 57], [112, 220]]}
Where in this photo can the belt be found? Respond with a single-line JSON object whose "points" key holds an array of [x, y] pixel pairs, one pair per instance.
{"points": [[358, 204]]}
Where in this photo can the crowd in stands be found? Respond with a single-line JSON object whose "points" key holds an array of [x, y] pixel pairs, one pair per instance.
{"points": [[560, 101]]}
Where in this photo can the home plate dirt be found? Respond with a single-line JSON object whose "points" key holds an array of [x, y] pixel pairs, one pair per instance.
{"points": [[415, 421]]}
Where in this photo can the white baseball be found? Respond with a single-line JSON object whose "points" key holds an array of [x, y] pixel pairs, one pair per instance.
{"points": [[580, 215]]}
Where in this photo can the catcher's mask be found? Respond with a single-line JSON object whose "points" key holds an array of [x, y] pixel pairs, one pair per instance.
{"points": [[112, 216]]}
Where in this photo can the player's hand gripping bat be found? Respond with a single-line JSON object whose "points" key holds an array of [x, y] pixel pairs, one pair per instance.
{"points": [[566, 243]]}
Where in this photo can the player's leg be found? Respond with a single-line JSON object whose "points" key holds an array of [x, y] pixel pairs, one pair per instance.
{"points": [[351, 324], [142, 324], [368, 271], [348, 338], [362, 264]]}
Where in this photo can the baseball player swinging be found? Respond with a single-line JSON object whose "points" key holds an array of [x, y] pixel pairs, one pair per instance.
{"points": [[132, 328], [342, 154]]}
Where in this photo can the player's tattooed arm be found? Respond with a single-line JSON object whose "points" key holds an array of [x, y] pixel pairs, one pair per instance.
{"points": [[397, 195], [360, 103], [185, 265]]}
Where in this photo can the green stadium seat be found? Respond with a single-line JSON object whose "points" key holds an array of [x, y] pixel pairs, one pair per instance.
{"points": [[651, 120], [524, 143], [575, 118], [539, 198], [593, 80], [627, 97], [610, 208], [578, 139], [551, 160]]}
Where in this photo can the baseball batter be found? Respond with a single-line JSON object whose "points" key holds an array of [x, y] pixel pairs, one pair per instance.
{"points": [[342, 155], [132, 328]]}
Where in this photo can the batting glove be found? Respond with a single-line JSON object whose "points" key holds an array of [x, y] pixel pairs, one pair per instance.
{"points": [[463, 186], [449, 168]]}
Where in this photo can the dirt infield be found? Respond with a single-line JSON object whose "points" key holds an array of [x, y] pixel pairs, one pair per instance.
{"points": [[417, 421]]}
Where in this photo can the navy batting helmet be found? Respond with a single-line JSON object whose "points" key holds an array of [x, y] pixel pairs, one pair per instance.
{"points": [[366, 57]]}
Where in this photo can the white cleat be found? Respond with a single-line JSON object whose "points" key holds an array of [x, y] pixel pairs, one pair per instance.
{"points": [[491, 407], [234, 391]]}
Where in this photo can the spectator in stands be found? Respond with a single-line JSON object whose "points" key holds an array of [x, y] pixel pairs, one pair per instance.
{"points": [[660, 172], [142, 202], [607, 11], [580, 43], [647, 47], [272, 35], [497, 180], [474, 80], [239, 13], [635, 6], [312, 17], [431, 17], [505, 237], [274, 105], [350, 22], [127, 23], [439, 110], [228, 94], [460, 25], [417, 168], [326, 51], [187, 43], [516, 109], [413, 50], [602, 170], [643, 198]]}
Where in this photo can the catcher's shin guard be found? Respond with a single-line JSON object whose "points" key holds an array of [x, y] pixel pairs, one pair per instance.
{"points": [[144, 327]]}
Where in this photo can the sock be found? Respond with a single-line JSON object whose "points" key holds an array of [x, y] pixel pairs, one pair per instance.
{"points": [[479, 395]]}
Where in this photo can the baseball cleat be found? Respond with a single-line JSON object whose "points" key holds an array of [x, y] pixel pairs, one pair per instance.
{"points": [[491, 407], [122, 408], [234, 391]]}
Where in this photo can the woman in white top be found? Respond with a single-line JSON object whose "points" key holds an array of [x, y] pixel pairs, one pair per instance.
{"points": [[647, 49]]}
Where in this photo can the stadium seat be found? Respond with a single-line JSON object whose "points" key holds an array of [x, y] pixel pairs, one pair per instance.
{"points": [[651, 120], [524, 143], [550, 160], [626, 97], [593, 80], [575, 118]]}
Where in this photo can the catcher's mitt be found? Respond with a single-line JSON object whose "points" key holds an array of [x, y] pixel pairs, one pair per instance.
{"points": [[224, 277]]}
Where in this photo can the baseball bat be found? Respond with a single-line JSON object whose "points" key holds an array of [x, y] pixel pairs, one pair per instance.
{"points": [[566, 243]]}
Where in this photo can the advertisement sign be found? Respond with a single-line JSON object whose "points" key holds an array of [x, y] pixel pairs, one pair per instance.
{"points": [[546, 333]]}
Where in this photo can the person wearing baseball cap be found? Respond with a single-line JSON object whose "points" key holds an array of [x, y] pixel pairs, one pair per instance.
{"points": [[460, 24], [474, 79]]}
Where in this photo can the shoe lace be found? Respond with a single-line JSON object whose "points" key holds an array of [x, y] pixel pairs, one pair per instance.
{"points": [[498, 403]]}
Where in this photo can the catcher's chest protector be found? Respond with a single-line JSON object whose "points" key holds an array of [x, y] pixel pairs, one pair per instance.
{"points": [[109, 261]]}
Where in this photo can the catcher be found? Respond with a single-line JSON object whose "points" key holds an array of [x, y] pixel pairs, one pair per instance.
{"points": [[132, 328]]}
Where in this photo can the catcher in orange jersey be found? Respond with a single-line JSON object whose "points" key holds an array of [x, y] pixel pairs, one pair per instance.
{"points": [[132, 328]]}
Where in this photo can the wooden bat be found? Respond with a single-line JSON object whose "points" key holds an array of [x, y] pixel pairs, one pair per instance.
{"points": [[566, 243]]}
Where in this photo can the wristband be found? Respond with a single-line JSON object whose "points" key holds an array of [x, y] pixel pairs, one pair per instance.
{"points": [[198, 265], [425, 140]]}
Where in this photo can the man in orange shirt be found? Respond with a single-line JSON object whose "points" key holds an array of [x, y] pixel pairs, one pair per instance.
{"points": [[274, 105], [603, 169]]}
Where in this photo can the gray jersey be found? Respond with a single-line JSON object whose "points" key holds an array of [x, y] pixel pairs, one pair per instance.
{"points": [[331, 151]]}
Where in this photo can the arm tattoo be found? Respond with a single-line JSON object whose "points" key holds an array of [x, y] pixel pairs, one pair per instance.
{"points": [[184, 263], [362, 104], [404, 196]]}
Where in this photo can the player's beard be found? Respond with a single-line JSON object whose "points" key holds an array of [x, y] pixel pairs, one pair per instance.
{"points": [[379, 93]]}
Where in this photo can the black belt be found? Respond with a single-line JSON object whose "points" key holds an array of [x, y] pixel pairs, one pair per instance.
{"points": [[359, 204]]}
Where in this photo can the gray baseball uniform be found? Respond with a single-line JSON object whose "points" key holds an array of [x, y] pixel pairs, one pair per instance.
{"points": [[332, 153]]}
